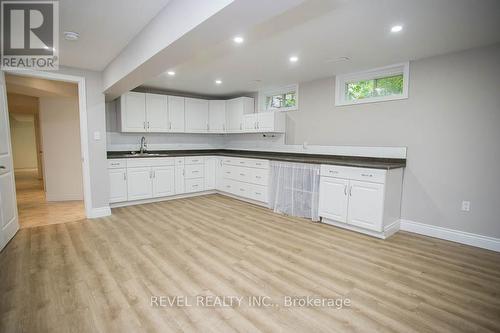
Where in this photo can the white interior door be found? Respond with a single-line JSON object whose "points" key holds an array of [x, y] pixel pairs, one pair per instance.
{"points": [[9, 223], [333, 198], [163, 181], [366, 205], [156, 113]]}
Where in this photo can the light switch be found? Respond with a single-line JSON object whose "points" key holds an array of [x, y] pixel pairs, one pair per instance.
{"points": [[97, 135]]}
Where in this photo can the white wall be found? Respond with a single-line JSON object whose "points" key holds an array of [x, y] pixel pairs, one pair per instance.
{"points": [[450, 124], [60, 136], [22, 132]]}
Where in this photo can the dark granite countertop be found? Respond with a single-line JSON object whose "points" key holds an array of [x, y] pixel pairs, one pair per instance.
{"points": [[354, 161]]}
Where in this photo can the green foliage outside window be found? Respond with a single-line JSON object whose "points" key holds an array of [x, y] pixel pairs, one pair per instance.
{"points": [[281, 101], [385, 86]]}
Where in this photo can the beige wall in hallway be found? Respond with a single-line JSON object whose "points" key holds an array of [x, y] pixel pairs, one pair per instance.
{"points": [[60, 129], [22, 132], [450, 124]]}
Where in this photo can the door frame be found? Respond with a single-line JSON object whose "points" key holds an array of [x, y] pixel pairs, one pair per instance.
{"points": [[82, 105]]}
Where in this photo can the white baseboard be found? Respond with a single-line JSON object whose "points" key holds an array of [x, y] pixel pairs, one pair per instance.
{"points": [[485, 242], [99, 212]]}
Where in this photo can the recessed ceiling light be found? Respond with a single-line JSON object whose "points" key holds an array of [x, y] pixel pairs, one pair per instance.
{"points": [[238, 39], [71, 35], [294, 59], [171, 73], [396, 28], [218, 82]]}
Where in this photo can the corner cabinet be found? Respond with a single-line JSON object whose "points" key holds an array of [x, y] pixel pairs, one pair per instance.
{"points": [[196, 115], [236, 108], [361, 199]]}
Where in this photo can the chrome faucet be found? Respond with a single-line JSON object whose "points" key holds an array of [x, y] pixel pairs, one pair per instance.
{"points": [[143, 146]]}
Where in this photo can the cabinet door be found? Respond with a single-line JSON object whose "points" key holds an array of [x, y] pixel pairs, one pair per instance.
{"points": [[163, 181], [117, 185], [179, 180], [219, 177], [366, 205], [250, 122], [139, 183], [133, 112], [176, 113], [234, 115], [210, 173], [265, 121], [156, 113], [196, 115], [217, 116], [333, 198]]}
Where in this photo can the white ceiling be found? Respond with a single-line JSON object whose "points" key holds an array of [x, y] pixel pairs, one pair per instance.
{"points": [[319, 31], [105, 28]]}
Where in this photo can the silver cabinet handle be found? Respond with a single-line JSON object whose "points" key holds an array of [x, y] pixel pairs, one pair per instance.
{"points": [[2, 167], [183, 172], [124, 176], [345, 189], [170, 125], [150, 174], [242, 189], [258, 193], [333, 171], [258, 177], [350, 191], [144, 124], [195, 171], [367, 175], [242, 174], [148, 124]]}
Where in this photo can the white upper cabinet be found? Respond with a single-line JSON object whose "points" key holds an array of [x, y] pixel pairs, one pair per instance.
{"points": [[250, 122], [176, 113], [217, 116], [264, 122], [156, 113], [236, 108], [144, 112], [132, 106], [271, 122], [196, 115]]}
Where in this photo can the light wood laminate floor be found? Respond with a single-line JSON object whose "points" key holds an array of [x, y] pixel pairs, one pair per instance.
{"points": [[34, 210], [99, 275]]}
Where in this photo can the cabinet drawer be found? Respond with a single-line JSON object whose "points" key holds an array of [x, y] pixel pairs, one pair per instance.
{"points": [[117, 163], [193, 160], [194, 171], [363, 174], [179, 161], [259, 176], [259, 193], [194, 185], [150, 162], [260, 164]]}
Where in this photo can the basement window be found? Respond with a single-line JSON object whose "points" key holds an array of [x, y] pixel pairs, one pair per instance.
{"points": [[280, 99], [376, 85]]}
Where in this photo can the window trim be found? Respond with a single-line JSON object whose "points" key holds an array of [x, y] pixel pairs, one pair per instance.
{"points": [[343, 79], [278, 91]]}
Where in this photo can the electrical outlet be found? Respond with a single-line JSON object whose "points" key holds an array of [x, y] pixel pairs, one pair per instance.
{"points": [[466, 206]]}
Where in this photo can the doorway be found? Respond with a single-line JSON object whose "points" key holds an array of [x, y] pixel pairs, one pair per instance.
{"points": [[46, 149]]}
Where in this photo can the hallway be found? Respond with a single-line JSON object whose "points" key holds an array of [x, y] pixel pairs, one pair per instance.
{"points": [[35, 211]]}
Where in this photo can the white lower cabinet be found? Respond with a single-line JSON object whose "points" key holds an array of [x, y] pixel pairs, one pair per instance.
{"points": [[139, 183], [360, 199], [163, 181], [211, 173], [117, 185], [333, 198], [247, 178]]}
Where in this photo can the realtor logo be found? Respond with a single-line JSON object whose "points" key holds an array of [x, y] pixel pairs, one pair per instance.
{"points": [[30, 35]]}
